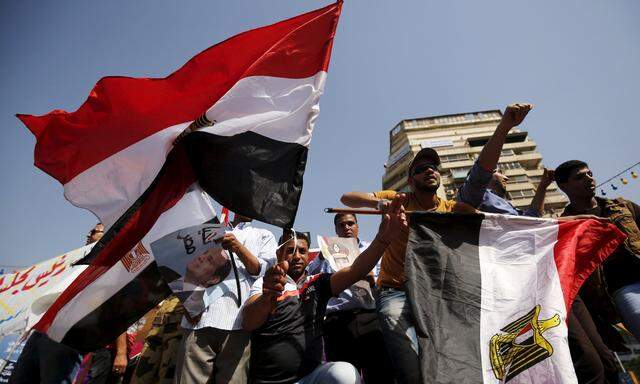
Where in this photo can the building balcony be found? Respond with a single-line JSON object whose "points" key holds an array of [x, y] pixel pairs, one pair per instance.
{"points": [[529, 160]]}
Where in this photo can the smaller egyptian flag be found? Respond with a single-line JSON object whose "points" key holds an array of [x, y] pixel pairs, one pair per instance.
{"points": [[490, 293]]}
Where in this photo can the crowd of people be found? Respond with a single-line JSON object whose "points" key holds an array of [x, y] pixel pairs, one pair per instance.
{"points": [[299, 320]]}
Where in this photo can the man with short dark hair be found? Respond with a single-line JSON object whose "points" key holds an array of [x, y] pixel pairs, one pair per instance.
{"points": [[286, 308], [621, 271], [618, 277], [486, 186], [351, 329], [215, 348], [393, 309]]}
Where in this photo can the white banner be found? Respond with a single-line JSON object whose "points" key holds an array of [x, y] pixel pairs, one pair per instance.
{"points": [[28, 293]]}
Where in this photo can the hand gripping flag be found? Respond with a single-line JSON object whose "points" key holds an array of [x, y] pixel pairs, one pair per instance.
{"points": [[491, 293], [250, 104]]}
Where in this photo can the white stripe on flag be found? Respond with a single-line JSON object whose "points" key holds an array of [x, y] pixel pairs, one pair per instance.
{"points": [[194, 208], [279, 108], [519, 272]]}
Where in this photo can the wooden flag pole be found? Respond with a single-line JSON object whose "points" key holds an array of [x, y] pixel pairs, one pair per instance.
{"points": [[357, 211]]}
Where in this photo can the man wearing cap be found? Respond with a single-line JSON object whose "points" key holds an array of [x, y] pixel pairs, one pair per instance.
{"points": [[392, 307], [485, 186]]}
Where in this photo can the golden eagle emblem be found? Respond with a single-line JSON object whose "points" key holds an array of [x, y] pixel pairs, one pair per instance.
{"points": [[521, 345]]}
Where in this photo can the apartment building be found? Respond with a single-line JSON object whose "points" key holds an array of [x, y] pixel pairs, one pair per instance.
{"points": [[458, 139]]}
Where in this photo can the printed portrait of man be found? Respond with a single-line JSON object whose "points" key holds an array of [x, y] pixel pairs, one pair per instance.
{"points": [[209, 268]]}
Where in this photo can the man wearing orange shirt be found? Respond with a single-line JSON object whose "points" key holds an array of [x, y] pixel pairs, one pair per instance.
{"points": [[394, 311]]}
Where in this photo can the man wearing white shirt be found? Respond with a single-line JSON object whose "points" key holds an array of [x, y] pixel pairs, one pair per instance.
{"points": [[215, 349], [351, 330]]}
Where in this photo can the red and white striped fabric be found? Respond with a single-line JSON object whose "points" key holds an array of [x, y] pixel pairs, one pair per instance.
{"points": [[491, 293], [115, 154]]}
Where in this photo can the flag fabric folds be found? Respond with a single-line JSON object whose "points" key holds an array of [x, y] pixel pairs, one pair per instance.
{"points": [[491, 293], [254, 100]]}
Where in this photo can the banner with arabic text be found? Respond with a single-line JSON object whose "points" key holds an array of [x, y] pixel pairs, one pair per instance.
{"points": [[23, 293]]}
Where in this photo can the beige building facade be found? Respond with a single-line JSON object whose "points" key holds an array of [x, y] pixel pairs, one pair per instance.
{"points": [[458, 139]]}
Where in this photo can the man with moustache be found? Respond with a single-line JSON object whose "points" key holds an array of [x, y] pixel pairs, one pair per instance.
{"points": [[286, 308], [351, 329]]}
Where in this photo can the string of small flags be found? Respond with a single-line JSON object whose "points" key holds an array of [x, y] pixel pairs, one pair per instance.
{"points": [[612, 182]]}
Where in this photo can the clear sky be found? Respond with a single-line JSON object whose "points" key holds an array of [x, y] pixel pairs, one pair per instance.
{"points": [[576, 60]]}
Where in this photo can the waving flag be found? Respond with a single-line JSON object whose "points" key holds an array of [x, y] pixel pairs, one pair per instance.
{"points": [[491, 293], [250, 103]]}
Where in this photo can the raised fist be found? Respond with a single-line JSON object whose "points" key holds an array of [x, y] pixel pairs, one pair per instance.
{"points": [[514, 114]]}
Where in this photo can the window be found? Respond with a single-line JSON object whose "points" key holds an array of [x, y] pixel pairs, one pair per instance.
{"points": [[509, 165], [399, 154], [396, 130], [507, 152], [521, 194], [400, 176], [517, 179], [456, 157], [535, 179], [460, 173]]}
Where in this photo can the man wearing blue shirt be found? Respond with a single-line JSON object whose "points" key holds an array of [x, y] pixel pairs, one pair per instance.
{"points": [[485, 186], [351, 330]]}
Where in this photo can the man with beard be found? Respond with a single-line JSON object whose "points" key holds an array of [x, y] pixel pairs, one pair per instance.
{"points": [[393, 309], [286, 308], [485, 186]]}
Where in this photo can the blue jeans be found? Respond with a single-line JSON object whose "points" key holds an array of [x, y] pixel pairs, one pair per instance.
{"points": [[44, 361], [627, 301], [338, 372], [396, 321]]}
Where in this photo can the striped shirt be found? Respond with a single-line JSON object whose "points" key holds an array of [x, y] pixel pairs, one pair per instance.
{"points": [[346, 300], [223, 311]]}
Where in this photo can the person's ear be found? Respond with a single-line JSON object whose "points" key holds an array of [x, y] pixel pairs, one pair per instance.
{"points": [[213, 281]]}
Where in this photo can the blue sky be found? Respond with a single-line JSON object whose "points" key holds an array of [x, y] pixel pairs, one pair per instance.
{"points": [[577, 61]]}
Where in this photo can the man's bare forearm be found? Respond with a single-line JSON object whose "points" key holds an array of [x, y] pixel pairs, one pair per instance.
{"points": [[537, 203], [361, 266], [490, 154], [251, 263], [256, 312], [359, 200]]}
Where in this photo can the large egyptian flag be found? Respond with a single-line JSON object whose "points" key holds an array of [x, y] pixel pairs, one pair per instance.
{"points": [[491, 293], [249, 103]]}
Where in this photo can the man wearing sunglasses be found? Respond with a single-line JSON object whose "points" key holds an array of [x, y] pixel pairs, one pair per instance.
{"points": [[393, 309]]}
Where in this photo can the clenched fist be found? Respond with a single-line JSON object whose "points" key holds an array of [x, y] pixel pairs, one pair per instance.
{"points": [[514, 114], [275, 279]]}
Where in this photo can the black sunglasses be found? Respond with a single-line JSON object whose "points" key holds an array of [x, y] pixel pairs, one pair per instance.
{"points": [[421, 168]]}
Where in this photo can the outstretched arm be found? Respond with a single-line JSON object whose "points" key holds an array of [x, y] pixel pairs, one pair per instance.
{"points": [[393, 223], [359, 200], [536, 208], [514, 114]]}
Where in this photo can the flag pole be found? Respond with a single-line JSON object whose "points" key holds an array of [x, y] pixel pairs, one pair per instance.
{"points": [[357, 211]]}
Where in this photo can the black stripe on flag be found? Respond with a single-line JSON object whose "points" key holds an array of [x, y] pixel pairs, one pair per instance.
{"points": [[250, 174], [104, 324], [443, 282]]}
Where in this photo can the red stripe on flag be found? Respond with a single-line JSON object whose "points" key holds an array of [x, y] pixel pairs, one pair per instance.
{"points": [[582, 246], [171, 184], [121, 111]]}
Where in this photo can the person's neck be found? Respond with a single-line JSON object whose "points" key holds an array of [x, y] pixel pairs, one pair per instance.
{"points": [[427, 200], [584, 204]]}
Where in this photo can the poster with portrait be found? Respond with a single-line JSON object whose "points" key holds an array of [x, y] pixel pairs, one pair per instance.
{"points": [[340, 252], [195, 266]]}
